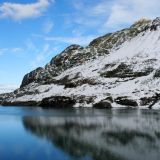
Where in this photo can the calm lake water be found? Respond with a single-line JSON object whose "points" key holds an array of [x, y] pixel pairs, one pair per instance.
{"points": [[79, 134]]}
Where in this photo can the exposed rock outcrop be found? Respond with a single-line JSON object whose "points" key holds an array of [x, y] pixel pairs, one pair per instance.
{"points": [[126, 101]]}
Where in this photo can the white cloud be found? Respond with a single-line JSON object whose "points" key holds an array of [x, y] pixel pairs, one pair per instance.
{"points": [[17, 50], [48, 26], [126, 12], [108, 15], [77, 39], [81, 40], [18, 11], [10, 50], [89, 14], [101, 8], [77, 32], [2, 51], [31, 46], [42, 54], [78, 4]]}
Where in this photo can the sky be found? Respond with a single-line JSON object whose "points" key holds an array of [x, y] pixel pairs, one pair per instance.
{"points": [[34, 31]]}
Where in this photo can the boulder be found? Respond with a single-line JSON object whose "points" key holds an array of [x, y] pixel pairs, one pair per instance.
{"points": [[102, 104], [126, 101], [106, 103], [58, 102]]}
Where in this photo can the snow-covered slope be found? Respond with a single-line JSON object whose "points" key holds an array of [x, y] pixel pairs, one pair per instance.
{"points": [[118, 69]]}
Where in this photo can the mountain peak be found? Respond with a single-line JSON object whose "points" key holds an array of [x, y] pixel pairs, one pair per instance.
{"points": [[143, 22]]}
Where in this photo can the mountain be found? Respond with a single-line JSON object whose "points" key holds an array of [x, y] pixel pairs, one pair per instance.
{"points": [[115, 70]]}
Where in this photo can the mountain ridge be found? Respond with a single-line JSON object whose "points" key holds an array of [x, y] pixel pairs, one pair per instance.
{"points": [[118, 69]]}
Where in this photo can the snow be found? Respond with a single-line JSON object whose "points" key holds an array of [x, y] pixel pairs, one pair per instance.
{"points": [[143, 47], [146, 45]]}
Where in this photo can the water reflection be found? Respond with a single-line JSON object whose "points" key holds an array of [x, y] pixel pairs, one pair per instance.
{"points": [[101, 134]]}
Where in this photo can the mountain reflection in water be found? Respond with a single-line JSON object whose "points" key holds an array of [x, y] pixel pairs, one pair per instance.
{"points": [[101, 135]]}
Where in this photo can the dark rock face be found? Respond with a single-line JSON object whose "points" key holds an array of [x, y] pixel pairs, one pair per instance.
{"points": [[79, 82], [125, 71], [103, 104], [72, 56], [65, 102], [106, 103], [153, 28], [31, 77], [58, 101], [156, 21], [5, 97], [147, 100], [155, 24], [126, 101], [150, 101], [66, 60], [157, 73]]}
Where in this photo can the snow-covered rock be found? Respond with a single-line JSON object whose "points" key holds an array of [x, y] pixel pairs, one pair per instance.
{"points": [[118, 69]]}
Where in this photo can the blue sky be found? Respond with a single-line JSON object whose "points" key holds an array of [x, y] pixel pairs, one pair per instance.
{"points": [[34, 31]]}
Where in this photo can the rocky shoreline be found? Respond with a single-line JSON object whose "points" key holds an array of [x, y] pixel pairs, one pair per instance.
{"points": [[68, 102]]}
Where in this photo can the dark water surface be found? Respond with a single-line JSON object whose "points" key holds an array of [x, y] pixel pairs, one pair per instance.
{"points": [[79, 134]]}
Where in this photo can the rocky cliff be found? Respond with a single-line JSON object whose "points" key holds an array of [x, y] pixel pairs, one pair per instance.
{"points": [[117, 69]]}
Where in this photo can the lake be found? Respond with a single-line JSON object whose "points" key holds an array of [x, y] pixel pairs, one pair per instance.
{"points": [[79, 134]]}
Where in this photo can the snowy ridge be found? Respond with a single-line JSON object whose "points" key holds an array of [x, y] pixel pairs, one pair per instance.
{"points": [[126, 76]]}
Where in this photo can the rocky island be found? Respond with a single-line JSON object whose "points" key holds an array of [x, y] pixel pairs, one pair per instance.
{"points": [[116, 70]]}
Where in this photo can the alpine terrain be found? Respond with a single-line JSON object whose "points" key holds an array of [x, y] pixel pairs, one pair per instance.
{"points": [[115, 70]]}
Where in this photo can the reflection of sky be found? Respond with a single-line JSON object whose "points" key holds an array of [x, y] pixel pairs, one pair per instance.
{"points": [[16, 143]]}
